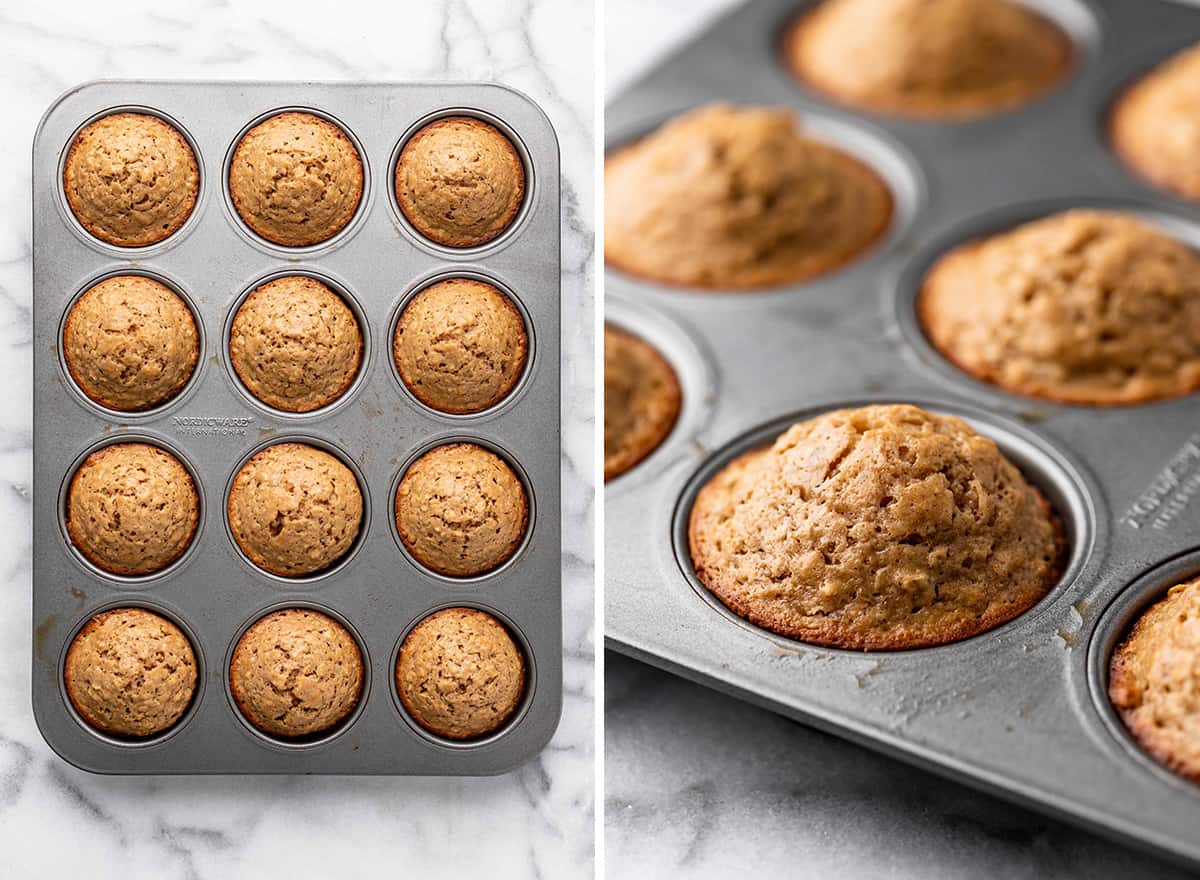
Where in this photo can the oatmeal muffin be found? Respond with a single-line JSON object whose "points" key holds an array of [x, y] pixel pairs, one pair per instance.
{"points": [[460, 346], [295, 344], [460, 182], [460, 510], [131, 179], [1156, 125], [132, 509], [641, 400], [130, 343], [294, 509], [1085, 307], [459, 674], [296, 179], [728, 197], [296, 673], [878, 528], [928, 58]]}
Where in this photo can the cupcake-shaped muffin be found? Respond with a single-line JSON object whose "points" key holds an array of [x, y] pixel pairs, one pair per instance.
{"points": [[130, 343], [1086, 307], [1156, 125], [295, 510], [296, 179], [460, 346], [727, 197], [295, 344], [460, 181], [460, 510], [459, 674], [878, 528], [1154, 680], [296, 673], [641, 400], [131, 179], [130, 673], [132, 508], [928, 58]]}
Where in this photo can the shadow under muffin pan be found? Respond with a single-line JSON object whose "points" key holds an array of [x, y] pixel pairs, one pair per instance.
{"points": [[1020, 710], [215, 425]]}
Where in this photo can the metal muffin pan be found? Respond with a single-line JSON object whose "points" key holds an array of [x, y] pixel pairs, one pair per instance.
{"points": [[213, 592], [1021, 710]]}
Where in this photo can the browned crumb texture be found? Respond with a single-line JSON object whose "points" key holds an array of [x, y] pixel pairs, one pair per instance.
{"points": [[459, 674], [641, 400], [131, 179], [460, 346], [132, 508], [877, 528], [296, 673], [294, 509], [460, 510], [738, 197]]}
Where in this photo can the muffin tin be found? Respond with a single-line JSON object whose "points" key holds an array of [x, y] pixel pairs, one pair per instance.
{"points": [[213, 592], [1020, 710]]}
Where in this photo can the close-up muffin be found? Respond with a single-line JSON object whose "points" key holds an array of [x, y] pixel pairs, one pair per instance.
{"points": [[130, 673], [294, 509], [131, 179], [295, 344], [878, 528], [460, 510], [460, 674], [130, 343], [1154, 680], [1084, 307], [928, 58], [738, 197], [296, 179], [132, 509], [460, 346], [641, 400], [1156, 125], [460, 181], [296, 673]]}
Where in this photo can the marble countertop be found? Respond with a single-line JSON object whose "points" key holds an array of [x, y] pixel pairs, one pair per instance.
{"points": [[56, 821]]}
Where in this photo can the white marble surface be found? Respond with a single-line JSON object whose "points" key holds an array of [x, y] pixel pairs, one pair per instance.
{"points": [[56, 821]]}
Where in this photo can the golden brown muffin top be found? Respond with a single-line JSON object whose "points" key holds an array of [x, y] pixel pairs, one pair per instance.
{"points": [[928, 58], [130, 672], [729, 197], [882, 527], [1089, 307], [459, 674], [131, 179], [130, 343], [641, 400]]}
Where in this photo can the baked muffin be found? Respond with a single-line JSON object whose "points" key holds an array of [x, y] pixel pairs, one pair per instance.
{"points": [[130, 343], [728, 197], [459, 674], [296, 673], [1154, 680], [132, 508], [1156, 125], [130, 673], [878, 528], [295, 344], [1086, 307], [296, 179], [459, 181], [131, 179], [460, 510], [460, 346], [294, 509], [928, 58], [641, 400]]}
